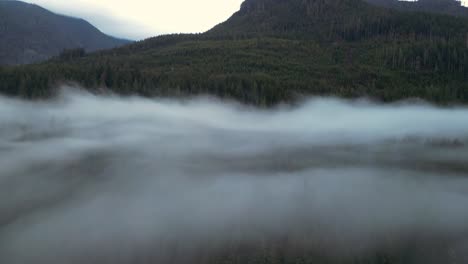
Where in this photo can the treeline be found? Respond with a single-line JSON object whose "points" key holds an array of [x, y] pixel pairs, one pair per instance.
{"points": [[259, 71]]}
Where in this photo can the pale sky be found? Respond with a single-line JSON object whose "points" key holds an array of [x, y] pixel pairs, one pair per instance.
{"points": [[140, 19]]}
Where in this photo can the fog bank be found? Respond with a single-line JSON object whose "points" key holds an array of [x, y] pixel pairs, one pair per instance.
{"points": [[90, 179]]}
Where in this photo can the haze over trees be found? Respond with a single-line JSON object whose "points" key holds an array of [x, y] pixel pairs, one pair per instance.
{"points": [[90, 178]]}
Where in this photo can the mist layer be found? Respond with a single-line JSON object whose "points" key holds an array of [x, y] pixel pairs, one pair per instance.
{"points": [[93, 179]]}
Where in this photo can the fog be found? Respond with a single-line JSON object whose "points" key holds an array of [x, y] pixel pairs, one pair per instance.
{"points": [[105, 179]]}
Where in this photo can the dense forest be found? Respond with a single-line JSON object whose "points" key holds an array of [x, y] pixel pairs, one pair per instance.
{"points": [[448, 7], [272, 51]]}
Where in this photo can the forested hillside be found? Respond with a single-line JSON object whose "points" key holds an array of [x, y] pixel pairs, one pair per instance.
{"points": [[30, 34], [278, 50], [447, 7]]}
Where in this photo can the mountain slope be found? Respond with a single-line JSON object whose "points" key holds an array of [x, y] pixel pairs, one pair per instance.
{"points": [[30, 33], [332, 20], [318, 19], [447, 7], [276, 50]]}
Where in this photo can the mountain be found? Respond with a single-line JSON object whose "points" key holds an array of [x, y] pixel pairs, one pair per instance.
{"points": [[319, 18], [30, 34], [447, 7], [331, 20], [273, 51]]}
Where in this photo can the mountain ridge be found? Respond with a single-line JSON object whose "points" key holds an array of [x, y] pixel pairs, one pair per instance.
{"points": [[31, 34]]}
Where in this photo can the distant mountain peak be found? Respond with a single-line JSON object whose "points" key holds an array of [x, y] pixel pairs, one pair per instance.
{"points": [[30, 33], [300, 17], [326, 19]]}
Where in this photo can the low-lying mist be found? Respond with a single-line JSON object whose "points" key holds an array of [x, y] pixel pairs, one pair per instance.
{"points": [[94, 179]]}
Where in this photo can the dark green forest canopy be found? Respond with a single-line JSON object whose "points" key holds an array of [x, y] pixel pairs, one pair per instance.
{"points": [[448, 7], [273, 51]]}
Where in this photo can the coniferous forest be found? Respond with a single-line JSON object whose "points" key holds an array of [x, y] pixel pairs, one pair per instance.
{"points": [[272, 51]]}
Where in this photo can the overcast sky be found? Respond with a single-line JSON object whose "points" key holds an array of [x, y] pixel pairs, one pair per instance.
{"points": [[139, 19]]}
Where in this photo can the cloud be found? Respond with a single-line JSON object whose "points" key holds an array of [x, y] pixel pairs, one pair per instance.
{"points": [[91, 179], [141, 19]]}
